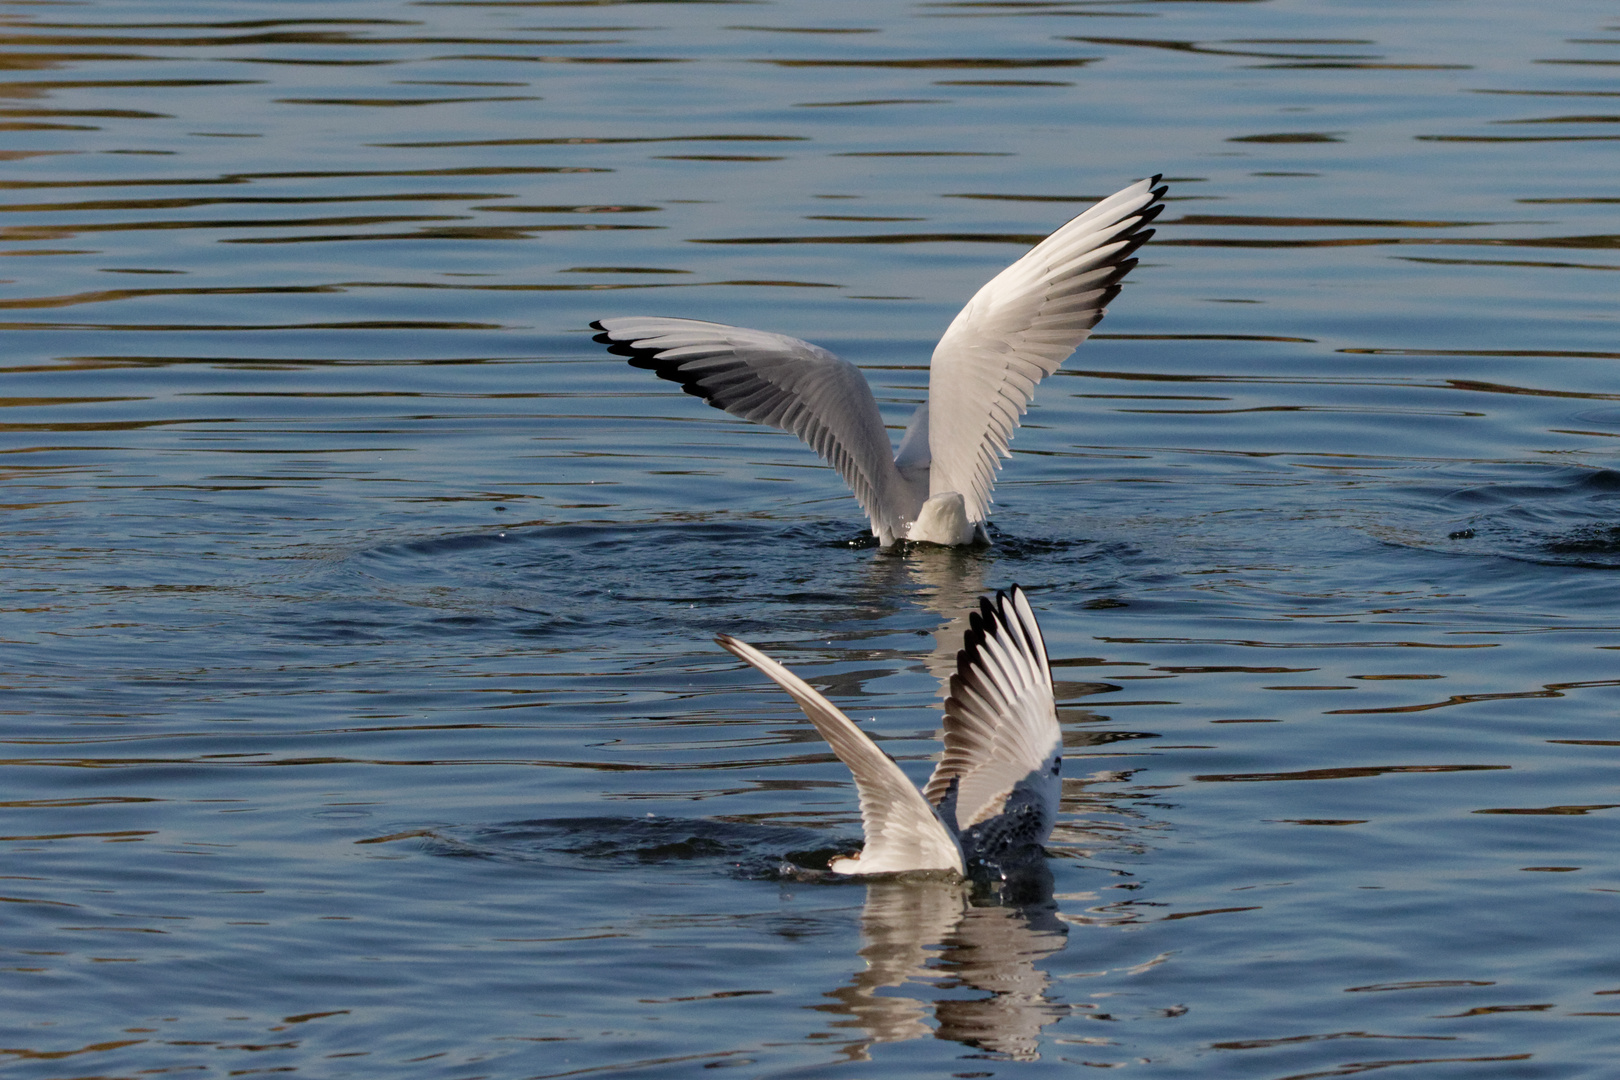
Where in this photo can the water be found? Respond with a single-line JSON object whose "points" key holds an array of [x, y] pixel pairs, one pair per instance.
{"points": [[360, 710]]}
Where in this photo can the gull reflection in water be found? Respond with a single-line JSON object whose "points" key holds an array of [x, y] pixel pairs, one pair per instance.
{"points": [[947, 583], [922, 932], [968, 959]]}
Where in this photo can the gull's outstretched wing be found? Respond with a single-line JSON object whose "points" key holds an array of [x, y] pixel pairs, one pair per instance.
{"points": [[1017, 329], [902, 830], [1001, 726], [783, 382]]}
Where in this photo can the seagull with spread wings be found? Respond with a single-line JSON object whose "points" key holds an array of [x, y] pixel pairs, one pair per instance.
{"points": [[993, 798], [1015, 331]]}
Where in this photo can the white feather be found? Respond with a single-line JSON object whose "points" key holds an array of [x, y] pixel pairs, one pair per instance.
{"points": [[1015, 331], [1002, 741], [902, 831], [993, 797]]}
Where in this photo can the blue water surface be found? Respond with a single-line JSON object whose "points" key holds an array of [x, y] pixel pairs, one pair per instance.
{"points": [[360, 709]]}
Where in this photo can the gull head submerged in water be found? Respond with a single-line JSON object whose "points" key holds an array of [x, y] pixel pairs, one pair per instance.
{"points": [[1015, 331], [993, 798]]}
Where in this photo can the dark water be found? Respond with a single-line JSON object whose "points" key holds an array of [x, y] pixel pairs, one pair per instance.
{"points": [[360, 712]]}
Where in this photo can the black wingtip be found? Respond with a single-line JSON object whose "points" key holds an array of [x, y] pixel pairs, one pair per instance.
{"points": [[646, 359], [991, 616], [641, 358], [596, 324], [1134, 242]]}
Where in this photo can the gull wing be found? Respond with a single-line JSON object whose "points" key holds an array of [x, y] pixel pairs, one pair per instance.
{"points": [[785, 383], [1017, 329], [1000, 718], [902, 830]]}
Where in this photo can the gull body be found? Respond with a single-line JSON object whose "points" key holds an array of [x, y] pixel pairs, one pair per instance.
{"points": [[1016, 330], [993, 798]]}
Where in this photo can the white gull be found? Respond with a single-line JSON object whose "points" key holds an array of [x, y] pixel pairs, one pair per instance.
{"points": [[1015, 331], [993, 797]]}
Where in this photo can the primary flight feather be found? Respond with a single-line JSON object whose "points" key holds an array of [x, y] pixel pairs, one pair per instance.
{"points": [[1015, 331], [993, 798]]}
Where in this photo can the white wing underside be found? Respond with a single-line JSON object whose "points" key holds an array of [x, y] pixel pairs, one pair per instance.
{"points": [[784, 383], [902, 831], [1001, 729], [1002, 749], [1015, 331]]}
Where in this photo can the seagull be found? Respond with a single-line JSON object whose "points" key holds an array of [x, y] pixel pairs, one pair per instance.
{"points": [[1015, 331], [993, 797]]}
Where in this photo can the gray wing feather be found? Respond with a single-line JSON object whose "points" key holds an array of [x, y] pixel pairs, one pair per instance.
{"points": [[1000, 718], [902, 831], [1017, 329], [784, 383]]}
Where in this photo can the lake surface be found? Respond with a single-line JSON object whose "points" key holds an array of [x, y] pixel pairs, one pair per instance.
{"points": [[360, 708]]}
